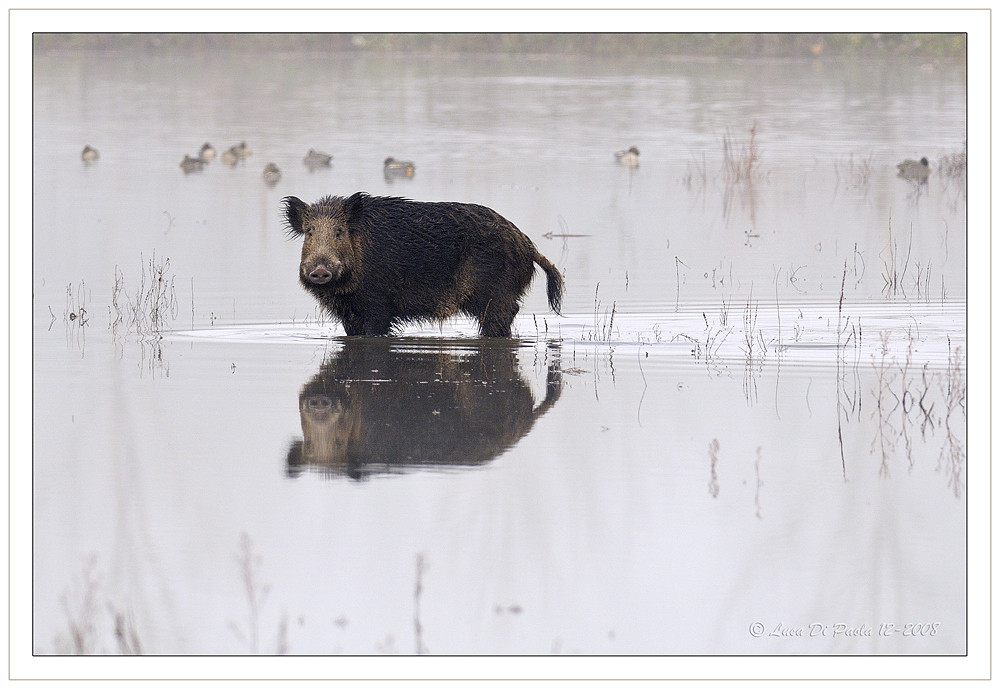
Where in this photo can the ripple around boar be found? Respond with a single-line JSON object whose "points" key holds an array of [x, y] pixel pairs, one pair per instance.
{"points": [[378, 262], [433, 408]]}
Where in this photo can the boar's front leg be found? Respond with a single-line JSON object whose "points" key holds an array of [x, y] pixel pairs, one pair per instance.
{"points": [[364, 322], [368, 326], [377, 327]]}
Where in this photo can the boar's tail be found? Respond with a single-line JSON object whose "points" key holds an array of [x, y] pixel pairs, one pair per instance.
{"points": [[555, 281]]}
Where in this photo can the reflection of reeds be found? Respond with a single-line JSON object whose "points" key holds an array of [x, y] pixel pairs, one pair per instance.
{"points": [[954, 164], [740, 171], [884, 432], [952, 169], [739, 163], [418, 589], [126, 635], [906, 399], [87, 630], [926, 408], [752, 369], [724, 312], [80, 606], [952, 458], [255, 592], [899, 390], [758, 484], [696, 176], [713, 454], [750, 333], [855, 176], [753, 338], [843, 412]]}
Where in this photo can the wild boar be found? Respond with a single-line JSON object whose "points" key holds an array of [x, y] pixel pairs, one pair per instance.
{"points": [[376, 263]]}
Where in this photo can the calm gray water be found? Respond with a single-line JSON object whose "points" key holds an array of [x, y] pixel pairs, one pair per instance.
{"points": [[745, 435]]}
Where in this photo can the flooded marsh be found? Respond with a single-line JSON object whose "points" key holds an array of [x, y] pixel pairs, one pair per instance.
{"points": [[744, 435]]}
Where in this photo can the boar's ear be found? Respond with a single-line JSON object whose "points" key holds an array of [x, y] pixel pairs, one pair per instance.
{"points": [[295, 212], [355, 206]]}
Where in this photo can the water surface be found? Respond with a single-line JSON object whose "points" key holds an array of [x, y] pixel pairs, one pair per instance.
{"points": [[748, 422]]}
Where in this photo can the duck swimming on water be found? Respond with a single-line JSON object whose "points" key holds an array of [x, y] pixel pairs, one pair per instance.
{"points": [[315, 159], [242, 151], [272, 175], [190, 164], [629, 157], [89, 155], [229, 156], [915, 170], [398, 168]]}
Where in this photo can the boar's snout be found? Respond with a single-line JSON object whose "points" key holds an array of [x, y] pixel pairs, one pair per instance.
{"points": [[318, 404], [321, 273]]}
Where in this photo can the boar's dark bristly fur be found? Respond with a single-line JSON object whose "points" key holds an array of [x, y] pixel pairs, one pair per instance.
{"points": [[376, 263]]}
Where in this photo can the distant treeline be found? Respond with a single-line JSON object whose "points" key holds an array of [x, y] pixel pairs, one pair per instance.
{"points": [[938, 45]]}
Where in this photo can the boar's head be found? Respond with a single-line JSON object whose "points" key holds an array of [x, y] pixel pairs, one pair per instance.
{"points": [[330, 256]]}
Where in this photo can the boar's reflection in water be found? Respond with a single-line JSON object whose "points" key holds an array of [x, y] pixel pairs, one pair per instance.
{"points": [[375, 407]]}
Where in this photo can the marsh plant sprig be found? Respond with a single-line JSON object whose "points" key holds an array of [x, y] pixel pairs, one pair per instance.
{"points": [[712, 341], [75, 315], [147, 309], [603, 323], [895, 265], [751, 335]]}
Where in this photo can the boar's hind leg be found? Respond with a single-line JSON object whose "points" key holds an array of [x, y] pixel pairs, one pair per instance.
{"points": [[495, 318]]}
